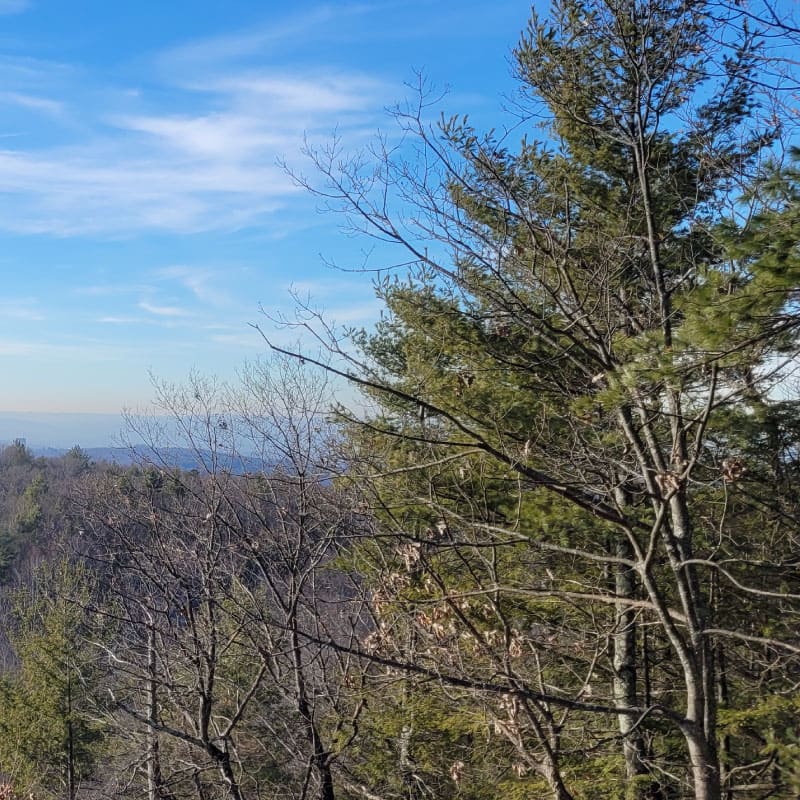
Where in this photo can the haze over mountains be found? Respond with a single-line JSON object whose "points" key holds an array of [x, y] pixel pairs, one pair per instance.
{"points": [[61, 430], [103, 437]]}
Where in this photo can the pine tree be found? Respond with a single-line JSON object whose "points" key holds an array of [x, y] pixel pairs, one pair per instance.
{"points": [[558, 379], [50, 739]]}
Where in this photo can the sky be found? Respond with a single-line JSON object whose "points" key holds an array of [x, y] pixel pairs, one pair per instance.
{"points": [[145, 217]]}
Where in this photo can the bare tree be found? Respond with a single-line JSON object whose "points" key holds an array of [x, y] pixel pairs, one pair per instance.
{"points": [[211, 575]]}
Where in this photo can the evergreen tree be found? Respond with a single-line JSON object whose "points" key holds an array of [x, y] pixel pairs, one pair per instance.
{"points": [[560, 380], [50, 740]]}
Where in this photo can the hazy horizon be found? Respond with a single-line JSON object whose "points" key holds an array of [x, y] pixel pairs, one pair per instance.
{"points": [[61, 429]]}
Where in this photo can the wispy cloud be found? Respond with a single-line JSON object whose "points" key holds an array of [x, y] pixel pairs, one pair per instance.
{"points": [[357, 313], [164, 311], [203, 283], [241, 340], [210, 170], [229, 136], [72, 192], [109, 289], [315, 24], [316, 91], [134, 165], [21, 309], [111, 320], [14, 6], [42, 105]]}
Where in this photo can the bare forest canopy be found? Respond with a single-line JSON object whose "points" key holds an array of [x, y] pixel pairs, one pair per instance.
{"points": [[558, 556]]}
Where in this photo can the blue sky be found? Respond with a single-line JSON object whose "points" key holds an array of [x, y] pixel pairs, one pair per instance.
{"points": [[143, 215]]}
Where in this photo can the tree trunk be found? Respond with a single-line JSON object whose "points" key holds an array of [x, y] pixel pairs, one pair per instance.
{"points": [[154, 779], [705, 770], [624, 663], [226, 770], [70, 740]]}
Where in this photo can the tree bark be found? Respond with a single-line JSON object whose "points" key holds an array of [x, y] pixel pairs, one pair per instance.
{"points": [[624, 664]]}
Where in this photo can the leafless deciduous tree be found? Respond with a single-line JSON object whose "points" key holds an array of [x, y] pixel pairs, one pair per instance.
{"points": [[210, 576]]}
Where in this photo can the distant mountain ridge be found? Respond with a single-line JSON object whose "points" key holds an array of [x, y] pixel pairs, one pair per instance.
{"points": [[181, 457]]}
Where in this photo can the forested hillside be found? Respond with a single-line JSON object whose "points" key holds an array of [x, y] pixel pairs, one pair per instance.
{"points": [[554, 555]]}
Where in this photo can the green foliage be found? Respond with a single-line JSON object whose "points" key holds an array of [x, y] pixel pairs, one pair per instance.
{"points": [[573, 415], [8, 554], [29, 513], [50, 740], [76, 461], [16, 455]]}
